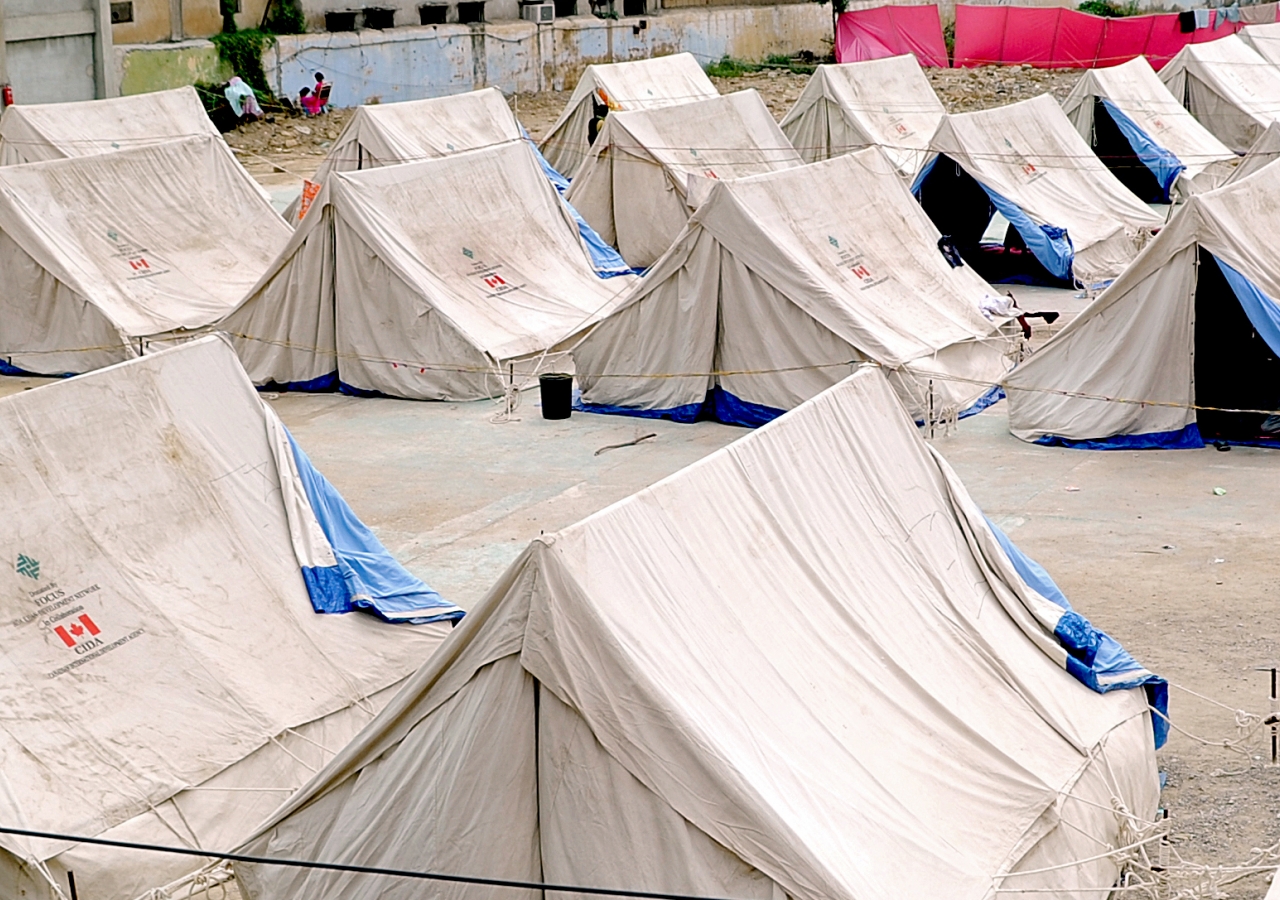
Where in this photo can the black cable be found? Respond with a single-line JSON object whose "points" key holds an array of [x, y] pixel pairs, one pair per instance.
{"points": [[347, 867]]}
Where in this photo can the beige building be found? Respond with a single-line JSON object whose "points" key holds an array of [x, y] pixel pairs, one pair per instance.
{"points": [[151, 21]]}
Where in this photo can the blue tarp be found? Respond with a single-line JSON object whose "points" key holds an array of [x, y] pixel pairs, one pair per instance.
{"points": [[367, 576], [732, 410], [719, 405], [604, 259], [7, 368], [1050, 244], [1187, 438], [993, 395], [923, 174], [725, 407], [682, 414], [990, 397], [320, 384], [1163, 165], [1093, 657], [1263, 313]]}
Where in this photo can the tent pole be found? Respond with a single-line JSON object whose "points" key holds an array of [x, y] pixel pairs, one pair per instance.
{"points": [[930, 408]]}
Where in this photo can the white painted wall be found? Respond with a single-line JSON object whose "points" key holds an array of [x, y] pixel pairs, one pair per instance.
{"points": [[430, 61]]}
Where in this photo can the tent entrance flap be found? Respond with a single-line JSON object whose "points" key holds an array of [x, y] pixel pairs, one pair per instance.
{"points": [[1234, 366], [960, 207], [1144, 167]]}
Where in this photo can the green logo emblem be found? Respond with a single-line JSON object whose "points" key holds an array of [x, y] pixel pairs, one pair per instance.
{"points": [[468, 254], [113, 235], [833, 242], [28, 566]]}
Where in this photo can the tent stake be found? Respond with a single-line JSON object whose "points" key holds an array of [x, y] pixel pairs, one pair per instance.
{"points": [[511, 389], [71, 883], [1274, 717]]}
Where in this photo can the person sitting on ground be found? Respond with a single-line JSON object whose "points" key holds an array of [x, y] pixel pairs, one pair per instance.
{"points": [[241, 97], [309, 102]]}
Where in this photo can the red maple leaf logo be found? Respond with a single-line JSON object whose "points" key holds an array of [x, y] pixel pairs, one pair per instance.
{"points": [[77, 630]]}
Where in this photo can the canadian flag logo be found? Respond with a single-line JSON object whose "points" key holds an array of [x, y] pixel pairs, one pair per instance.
{"points": [[79, 630]]}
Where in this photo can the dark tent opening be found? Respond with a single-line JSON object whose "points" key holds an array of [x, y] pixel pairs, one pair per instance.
{"points": [[1234, 367], [1115, 151], [960, 208]]}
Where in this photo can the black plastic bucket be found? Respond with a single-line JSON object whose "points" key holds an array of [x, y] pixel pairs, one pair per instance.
{"points": [[379, 17], [340, 20], [557, 395]]}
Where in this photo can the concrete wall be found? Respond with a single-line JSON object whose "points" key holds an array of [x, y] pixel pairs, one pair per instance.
{"points": [[158, 67], [431, 61], [54, 51]]}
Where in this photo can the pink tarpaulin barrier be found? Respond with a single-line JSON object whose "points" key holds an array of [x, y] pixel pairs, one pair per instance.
{"points": [[891, 31], [1055, 38]]}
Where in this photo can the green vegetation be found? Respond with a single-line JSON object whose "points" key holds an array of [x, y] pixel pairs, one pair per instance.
{"points": [[1109, 8], [242, 53], [286, 17], [728, 67]]}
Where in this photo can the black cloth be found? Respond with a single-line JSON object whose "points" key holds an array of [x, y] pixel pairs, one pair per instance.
{"points": [[1187, 22], [949, 251]]}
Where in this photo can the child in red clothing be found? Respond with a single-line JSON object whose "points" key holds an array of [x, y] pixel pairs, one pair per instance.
{"points": [[310, 103]]}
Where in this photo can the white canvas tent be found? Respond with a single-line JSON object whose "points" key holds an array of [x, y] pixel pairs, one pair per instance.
{"points": [[759, 678], [1265, 150], [387, 134], [397, 133], [886, 103], [617, 87], [634, 187], [1028, 162], [1193, 322], [426, 280], [1143, 133], [1228, 87], [1264, 39], [104, 253], [779, 283], [167, 678], [32, 133]]}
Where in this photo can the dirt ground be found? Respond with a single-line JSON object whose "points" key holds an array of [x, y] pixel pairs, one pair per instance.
{"points": [[1193, 600], [285, 149]]}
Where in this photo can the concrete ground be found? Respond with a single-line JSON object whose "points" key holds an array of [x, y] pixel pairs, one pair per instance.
{"points": [[457, 497]]}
